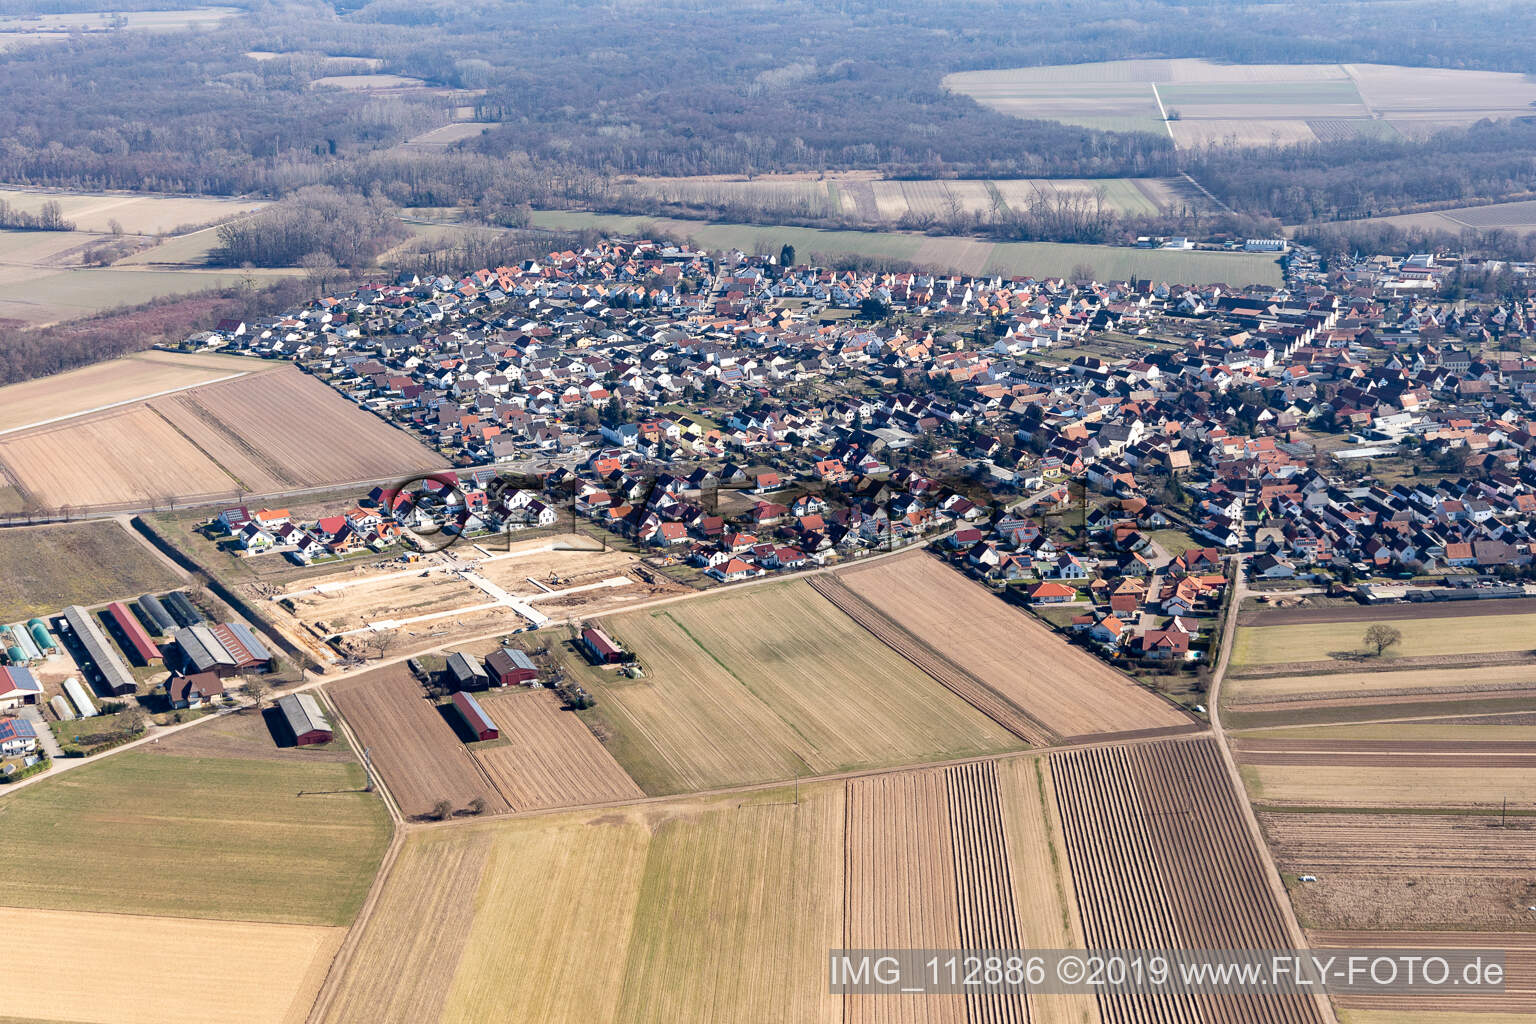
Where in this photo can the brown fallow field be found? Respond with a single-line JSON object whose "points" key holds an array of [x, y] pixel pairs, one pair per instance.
{"points": [[295, 430], [259, 433], [1162, 859], [411, 744], [1457, 1006], [1396, 872], [1064, 688], [547, 757]]}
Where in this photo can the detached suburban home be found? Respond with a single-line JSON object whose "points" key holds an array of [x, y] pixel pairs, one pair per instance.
{"points": [[1051, 593], [1161, 645], [17, 737]]}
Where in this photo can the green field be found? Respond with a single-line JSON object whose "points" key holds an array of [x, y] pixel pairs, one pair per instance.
{"points": [[176, 836], [1465, 634], [769, 683], [947, 252], [44, 568], [46, 296]]}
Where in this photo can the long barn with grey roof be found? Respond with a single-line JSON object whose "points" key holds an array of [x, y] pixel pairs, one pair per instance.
{"points": [[155, 616], [114, 677]]}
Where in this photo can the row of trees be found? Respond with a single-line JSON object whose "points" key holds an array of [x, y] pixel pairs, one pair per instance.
{"points": [[49, 217]]}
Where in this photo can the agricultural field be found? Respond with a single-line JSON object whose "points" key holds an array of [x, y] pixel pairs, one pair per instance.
{"points": [[863, 196], [1239, 690], [411, 744], [122, 381], [1162, 859], [251, 974], [154, 246], [958, 623], [207, 442], [644, 914], [946, 252], [645, 910], [1199, 103], [1519, 215], [1425, 635], [135, 213], [1400, 872], [1510, 1006], [546, 757], [117, 836], [44, 568], [1461, 782], [768, 683]]}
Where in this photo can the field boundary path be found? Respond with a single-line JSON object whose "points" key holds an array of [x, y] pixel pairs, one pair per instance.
{"points": [[1296, 935]]}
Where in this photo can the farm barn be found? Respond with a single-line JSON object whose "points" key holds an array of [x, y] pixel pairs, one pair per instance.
{"points": [[116, 678], [155, 616], [510, 667], [600, 647], [223, 649], [17, 687], [466, 674], [134, 641], [305, 719], [474, 716]]}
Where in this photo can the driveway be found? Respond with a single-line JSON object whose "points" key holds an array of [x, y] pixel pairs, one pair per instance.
{"points": [[45, 737]]}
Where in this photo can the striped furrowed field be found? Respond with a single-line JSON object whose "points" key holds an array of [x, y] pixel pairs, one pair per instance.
{"points": [[1013, 662], [1162, 859]]}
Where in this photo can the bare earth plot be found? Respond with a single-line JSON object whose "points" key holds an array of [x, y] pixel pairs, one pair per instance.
{"points": [[259, 432], [117, 381], [302, 430], [1066, 689], [1240, 689], [128, 455], [412, 943], [1392, 872], [1511, 1006], [769, 683], [411, 744], [250, 973], [546, 757]]}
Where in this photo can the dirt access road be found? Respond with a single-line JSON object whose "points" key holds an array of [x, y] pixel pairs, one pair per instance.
{"points": [[1237, 566]]}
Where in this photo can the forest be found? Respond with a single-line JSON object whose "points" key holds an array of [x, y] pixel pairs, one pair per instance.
{"points": [[580, 94]]}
